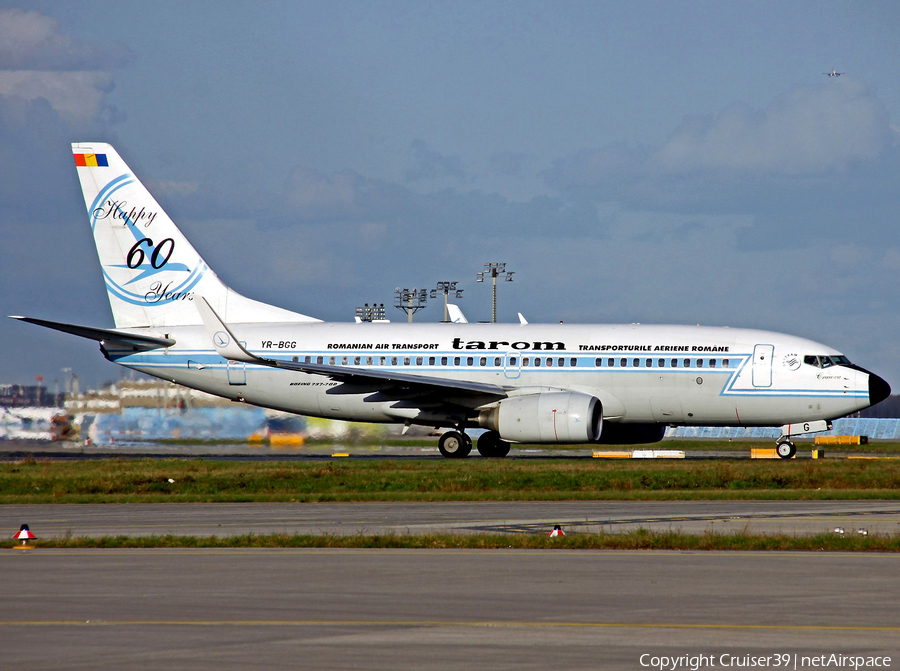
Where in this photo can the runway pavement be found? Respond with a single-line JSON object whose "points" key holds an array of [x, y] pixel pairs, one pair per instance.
{"points": [[415, 609], [225, 519], [415, 448]]}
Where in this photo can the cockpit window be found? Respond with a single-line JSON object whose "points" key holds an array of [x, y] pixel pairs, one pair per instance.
{"points": [[826, 361]]}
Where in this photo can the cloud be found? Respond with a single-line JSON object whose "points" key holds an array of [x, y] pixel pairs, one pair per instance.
{"points": [[343, 195], [430, 164], [80, 95], [31, 41], [37, 62], [808, 130], [813, 163], [53, 89], [509, 163]]}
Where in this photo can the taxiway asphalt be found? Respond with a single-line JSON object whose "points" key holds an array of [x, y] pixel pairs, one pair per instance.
{"points": [[460, 609]]}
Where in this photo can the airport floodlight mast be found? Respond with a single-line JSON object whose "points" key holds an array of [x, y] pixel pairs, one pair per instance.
{"points": [[410, 300], [371, 313], [446, 288], [492, 270]]}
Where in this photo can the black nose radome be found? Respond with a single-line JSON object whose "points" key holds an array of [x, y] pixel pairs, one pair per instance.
{"points": [[878, 389]]}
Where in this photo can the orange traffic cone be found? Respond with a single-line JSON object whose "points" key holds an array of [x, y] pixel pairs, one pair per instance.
{"points": [[24, 535], [557, 531]]}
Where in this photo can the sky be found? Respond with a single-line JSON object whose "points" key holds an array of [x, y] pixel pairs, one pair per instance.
{"points": [[652, 162]]}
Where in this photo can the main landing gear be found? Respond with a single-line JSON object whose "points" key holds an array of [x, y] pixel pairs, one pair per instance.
{"points": [[458, 445], [785, 448], [455, 445], [490, 445]]}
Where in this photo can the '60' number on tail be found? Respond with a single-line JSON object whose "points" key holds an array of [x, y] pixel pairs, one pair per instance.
{"points": [[158, 257]]}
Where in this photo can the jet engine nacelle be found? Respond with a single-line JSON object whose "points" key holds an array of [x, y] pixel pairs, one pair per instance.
{"points": [[553, 417]]}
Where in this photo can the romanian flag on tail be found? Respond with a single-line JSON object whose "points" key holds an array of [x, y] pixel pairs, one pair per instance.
{"points": [[91, 160]]}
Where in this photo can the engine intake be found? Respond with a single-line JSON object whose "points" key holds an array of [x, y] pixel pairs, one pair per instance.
{"points": [[553, 417]]}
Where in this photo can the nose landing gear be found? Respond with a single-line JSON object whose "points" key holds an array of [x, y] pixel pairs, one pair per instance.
{"points": [[785, 448]]}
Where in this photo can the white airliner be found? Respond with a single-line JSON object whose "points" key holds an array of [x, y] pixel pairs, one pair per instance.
{"points": [[524, 383], [834, 73]]}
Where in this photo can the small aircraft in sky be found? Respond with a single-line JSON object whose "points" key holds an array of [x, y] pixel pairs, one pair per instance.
{"points": [[834, 73], [522, 383]]}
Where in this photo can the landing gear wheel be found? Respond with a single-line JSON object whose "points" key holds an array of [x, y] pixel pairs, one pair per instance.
{"points": [[785, 449], [455, 445], [490, 445]]}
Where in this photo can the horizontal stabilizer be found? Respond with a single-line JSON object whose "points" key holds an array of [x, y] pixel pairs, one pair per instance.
{"points": [[110, 337]]}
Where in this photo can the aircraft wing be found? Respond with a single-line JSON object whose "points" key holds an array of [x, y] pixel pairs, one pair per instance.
{"points": [[230, 348], [107, 337]]}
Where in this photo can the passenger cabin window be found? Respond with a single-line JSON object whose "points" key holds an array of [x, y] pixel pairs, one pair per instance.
{"points": [[661, 363], [525, 361], [611, 362], [443, 361], [712, 363], [549, 361], [512, 361], [598, 362], [573, 362], [470, 360], [496, 360], [725, 363], [537, 361], [418, 361], [674, 363], [649, 363], [483, 361], [635, 362], [431, 361], [456, 361]]}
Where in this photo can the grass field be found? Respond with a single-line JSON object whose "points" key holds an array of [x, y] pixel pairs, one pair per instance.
{"points": [[202, 480], [640, 539]]}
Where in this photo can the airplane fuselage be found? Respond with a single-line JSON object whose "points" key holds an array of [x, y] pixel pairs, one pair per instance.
{"points": [[678, 375]]}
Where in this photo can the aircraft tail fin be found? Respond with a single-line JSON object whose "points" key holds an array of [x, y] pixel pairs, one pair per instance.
{"points": [[151, 270], [456, 314]]}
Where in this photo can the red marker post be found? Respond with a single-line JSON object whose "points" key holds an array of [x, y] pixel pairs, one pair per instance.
{"points": [[24, 535]]}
